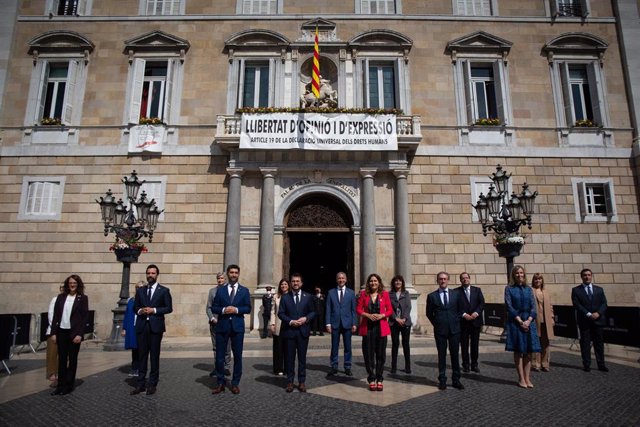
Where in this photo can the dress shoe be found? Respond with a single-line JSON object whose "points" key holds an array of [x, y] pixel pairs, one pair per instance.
{"points": [[289, 387], [137, 390], [442, 385], [235, 389], [151, 390], [212, 373], [321, 334], [475, 369], [545, 369], [407, 371], [392, 371], [586, 369], [333, 371], [348, 372], [465, 369], [603, 368], [535, 369], [66, 391], [219, 389], [313, 333], [302, 388], [227, 372], [56, 392], [522, 385], [529, 385], [458, 385]]}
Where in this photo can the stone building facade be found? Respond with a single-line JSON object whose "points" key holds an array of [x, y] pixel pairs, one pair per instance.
{"points": [[539, 67]]}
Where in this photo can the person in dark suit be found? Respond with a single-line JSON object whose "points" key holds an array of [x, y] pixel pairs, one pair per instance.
{"points": [[471, 321], [151, 303], [267, 304], [231, 303], [317, 326], [70, 314], [590, 304], [444, 311], [296, 311], [340, 315], [400, 322]]}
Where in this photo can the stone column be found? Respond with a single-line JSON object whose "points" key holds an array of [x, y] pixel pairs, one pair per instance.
{"points": [[368, 221], [232, 229], [402, 239], [265, 257]]}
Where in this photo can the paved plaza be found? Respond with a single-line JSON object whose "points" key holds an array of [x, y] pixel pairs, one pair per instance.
{"points": [[565, 396]]}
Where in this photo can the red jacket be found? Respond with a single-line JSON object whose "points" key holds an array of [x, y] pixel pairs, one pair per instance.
{"points": [[385, 308]]}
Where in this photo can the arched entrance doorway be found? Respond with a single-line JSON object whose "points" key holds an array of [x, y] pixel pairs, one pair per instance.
{"points": [[318, 241]]}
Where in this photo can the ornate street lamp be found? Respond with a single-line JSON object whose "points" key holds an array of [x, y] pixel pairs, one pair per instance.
{"points": [[505, 215], [129, 229]]}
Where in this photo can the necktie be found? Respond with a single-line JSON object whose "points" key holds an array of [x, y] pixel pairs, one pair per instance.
{"points": [[341, 295], [297, 298], [233, 293], [149, 292], [468, 293], [589, 291], [446, 300]]}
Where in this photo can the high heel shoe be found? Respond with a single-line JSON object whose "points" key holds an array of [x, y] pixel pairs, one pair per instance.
{"points": [[379, 387], [372, 387]]}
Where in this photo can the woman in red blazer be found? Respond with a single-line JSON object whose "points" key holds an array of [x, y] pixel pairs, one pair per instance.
{"points": [[374, 308], [70, 315]]}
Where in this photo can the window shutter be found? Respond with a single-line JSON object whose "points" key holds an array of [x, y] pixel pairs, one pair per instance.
{"points": [[585, 8], [168, 91], [135, 100], [366, 7], [271, 83], [81, 8], [608, 199], [554, 7], [566, 94], [69, 93], [468, 91], [42, 96], [397, 94], [500, 89], [36, 86], [596, 93], [582, 198], [367, 84], [241, 83]]}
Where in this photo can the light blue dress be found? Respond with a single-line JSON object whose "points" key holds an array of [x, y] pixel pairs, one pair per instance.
{"points": [[521, 302]]}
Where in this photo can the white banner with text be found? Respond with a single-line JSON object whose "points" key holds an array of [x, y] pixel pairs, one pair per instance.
{"points": [[314, 131]]}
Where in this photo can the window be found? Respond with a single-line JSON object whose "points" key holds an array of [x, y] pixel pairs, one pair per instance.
{"points": [[41, 198], [258, 7], [162, 7], [475, 7], [255, 85], [382, 86], [69, 7], [58, 80], [578, 83], [570, 8], [155, 77], [594, 200], [484, 93], [377, 7]]}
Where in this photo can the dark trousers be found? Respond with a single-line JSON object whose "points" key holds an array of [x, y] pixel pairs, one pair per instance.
{"points": [[149, 348], [396, 332], [265, 326], [374, 350], [278, 354], [296, 344], [453, 342], [589, 334], [335, 346], [237, 343], [469, 334], [135, 359], [67, 359]]}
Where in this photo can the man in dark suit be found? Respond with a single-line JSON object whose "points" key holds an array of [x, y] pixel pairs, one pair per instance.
{"points": [[151, 303], [213, 320], [231, 303], [590, 304], [296, 311], [341, 322], [444, 311], [471, 321]]}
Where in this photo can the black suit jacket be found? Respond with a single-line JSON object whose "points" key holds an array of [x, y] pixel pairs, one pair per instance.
{"points": [[288, 312], [79, 314], [475, 305], [160, 300], [445, 320], [583, 305]]}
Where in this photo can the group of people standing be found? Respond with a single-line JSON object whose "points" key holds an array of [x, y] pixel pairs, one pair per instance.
{"points": [[374, 314]]}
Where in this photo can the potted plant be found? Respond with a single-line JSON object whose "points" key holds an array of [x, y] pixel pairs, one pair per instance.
{"points": [[127, 249], [508, 245]]}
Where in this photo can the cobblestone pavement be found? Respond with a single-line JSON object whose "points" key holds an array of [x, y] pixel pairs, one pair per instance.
{"points": [[565, 396]]}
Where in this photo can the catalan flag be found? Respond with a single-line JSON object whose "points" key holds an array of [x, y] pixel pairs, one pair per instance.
{"points": [[315, 75]]}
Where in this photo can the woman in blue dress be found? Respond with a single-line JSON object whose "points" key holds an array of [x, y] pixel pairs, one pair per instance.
{"points": [[129, 332], [522, 337]]}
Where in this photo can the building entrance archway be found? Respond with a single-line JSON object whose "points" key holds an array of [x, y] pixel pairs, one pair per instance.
{"points": [[318, 241]]}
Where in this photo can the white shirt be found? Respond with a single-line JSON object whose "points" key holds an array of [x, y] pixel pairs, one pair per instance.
{"points": [[52, 305], [442, 293], [65, 321]]}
